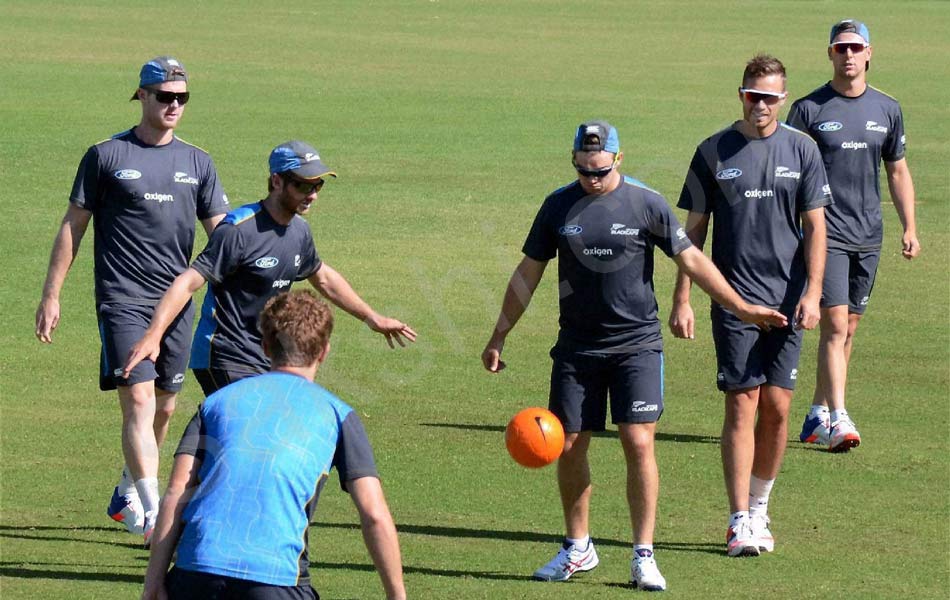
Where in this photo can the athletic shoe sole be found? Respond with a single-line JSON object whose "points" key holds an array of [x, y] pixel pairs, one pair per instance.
{"points": [[849, 442]]}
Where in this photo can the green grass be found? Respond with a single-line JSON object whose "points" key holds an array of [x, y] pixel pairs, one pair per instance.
{"points": [[448, 122]]}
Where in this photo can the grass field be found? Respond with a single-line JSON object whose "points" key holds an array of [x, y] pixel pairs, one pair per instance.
{"points": [[448, 122]]}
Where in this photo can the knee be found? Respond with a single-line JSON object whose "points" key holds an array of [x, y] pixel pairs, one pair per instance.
{"points": [[164, 413]]}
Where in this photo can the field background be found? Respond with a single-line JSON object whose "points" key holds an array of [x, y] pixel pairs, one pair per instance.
{"points": [[449, 122]]}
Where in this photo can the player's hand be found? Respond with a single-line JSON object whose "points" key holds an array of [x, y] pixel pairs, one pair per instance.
{"points": [[155, 592], [910, 247], [682, 320], [764, 317], [47, 318], [393, 329], [807, 313], [147, 347], [491, 356]]}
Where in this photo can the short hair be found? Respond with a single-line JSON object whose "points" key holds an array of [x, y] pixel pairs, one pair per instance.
{"points": [[270, 180], [295, 328], [763, 65]]}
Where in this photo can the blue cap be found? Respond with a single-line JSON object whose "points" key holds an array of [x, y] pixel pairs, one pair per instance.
{"points": [[596, 136], [159, 70], [299, 158], [850, 26]]}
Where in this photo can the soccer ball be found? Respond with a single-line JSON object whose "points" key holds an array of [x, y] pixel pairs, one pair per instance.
{"points": [[534, 437]]}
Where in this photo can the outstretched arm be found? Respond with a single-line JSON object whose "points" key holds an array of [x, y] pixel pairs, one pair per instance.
{"points": [[518, 295], [901, 187], [65, 248], [682, 319], [379, 533], [337, 290]]}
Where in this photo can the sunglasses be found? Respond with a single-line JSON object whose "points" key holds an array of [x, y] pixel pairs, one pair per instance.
{"points": [[600, 173], [854, 47], [306, 187], [169, 97], [756, 96]]}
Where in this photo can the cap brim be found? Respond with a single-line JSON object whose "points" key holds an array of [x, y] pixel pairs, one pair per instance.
{"points": [[313, 170]]}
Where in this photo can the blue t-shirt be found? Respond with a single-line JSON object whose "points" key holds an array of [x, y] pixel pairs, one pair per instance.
{"points": [[144, 200], [755, 190], [853, 134], [249, 259], [266, 446], [604, 246]]}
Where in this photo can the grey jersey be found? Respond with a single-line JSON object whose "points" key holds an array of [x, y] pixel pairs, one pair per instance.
{"points": [[249, 259], [144, 200], [755, 189], [853, 134], [604, 246]]}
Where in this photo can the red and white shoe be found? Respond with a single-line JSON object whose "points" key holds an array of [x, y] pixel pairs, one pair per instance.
{"points": [[569, 560], [844, 435], [739, 540], [761, 534]]}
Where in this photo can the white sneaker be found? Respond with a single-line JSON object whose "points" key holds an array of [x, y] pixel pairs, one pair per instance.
{"points": [[127, 509], [761, 534], [568, 561], [844, 435], [645, 574], [739, 541]]}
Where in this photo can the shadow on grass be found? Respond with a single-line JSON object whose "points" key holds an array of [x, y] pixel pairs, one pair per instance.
{"points": [[20, 572], [526, 536], [24, 533], [681, 438]]}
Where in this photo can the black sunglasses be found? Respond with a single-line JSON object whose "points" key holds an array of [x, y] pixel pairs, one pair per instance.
{"points": [[169, 97], [854, 47], [306, 187], [755, 96], [600, 173]]}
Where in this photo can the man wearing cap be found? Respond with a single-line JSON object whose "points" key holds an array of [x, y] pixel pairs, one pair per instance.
{"points": [[257, 252], [145, 187], [855, 126], [764, 187], [603, 228]]}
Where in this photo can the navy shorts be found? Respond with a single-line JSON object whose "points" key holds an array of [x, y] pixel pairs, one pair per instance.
{"points": [[212, 380], [747, 357], [849, 278], [581, 384], [121, 325], [193, 585]]}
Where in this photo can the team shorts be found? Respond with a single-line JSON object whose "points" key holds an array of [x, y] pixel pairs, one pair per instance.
{"points": [[212, 380], [194, 585], [748, 357], [849, 278], [121, 325], [581, 384]]}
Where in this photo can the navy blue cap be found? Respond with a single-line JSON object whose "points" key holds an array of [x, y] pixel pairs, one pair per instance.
{"points": [[595, 136], [299, 158], [850, 26]]}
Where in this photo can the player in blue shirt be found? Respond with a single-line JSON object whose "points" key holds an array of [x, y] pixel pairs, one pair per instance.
{"points": [[856, 127], [603, 229], [143, 190], [764, 187], [249, 471], [255, 254]]}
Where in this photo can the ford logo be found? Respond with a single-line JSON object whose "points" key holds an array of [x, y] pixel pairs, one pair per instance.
{"points": [[267, 262], [830, 126], [127, 174], [728, 174], [570, 230]]}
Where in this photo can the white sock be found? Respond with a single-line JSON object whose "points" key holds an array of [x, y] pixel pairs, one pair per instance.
{"points": [[148, 492], [126, 485], [818, 410], [737, 516], [579, 543], [642, 550], [838, 415], [759, 490]]}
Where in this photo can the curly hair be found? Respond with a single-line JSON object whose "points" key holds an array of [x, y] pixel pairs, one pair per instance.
{"points": [[295, 328]]}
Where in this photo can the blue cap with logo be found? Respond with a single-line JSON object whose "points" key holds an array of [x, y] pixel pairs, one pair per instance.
{"points": [[596, 136], [159, 70], [299, 158], [850, 26]]}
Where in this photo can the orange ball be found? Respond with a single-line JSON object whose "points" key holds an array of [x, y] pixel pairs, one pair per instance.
{"points": [[534, 437]]}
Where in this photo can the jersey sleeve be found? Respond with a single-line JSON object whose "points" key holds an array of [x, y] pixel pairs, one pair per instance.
{"points": [[212, 200], [86, 186], [541, 243], [192, 440], [353, 458], [223, 254], [700, 188], [310, 261], [796, 117], [665, 230], [814, 190], [894, 144]]}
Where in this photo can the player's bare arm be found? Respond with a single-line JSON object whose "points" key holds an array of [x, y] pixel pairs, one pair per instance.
{"points": [[901, 186], [521, 286], [65, 249], [211, 222], [807, 312], [335, 288], [379, 533], [682, 319]]}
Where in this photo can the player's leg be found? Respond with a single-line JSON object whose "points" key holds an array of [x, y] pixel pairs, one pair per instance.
{"points": [[139, 446], [573, 478]]}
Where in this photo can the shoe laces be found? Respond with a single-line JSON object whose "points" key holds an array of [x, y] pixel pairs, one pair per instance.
{"points": [[742, 529], [760, 521]]}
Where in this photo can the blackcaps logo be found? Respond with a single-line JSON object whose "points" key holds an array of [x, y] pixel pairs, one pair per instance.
{"points": [[570, 230], [728, 174], [830, 126]]}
